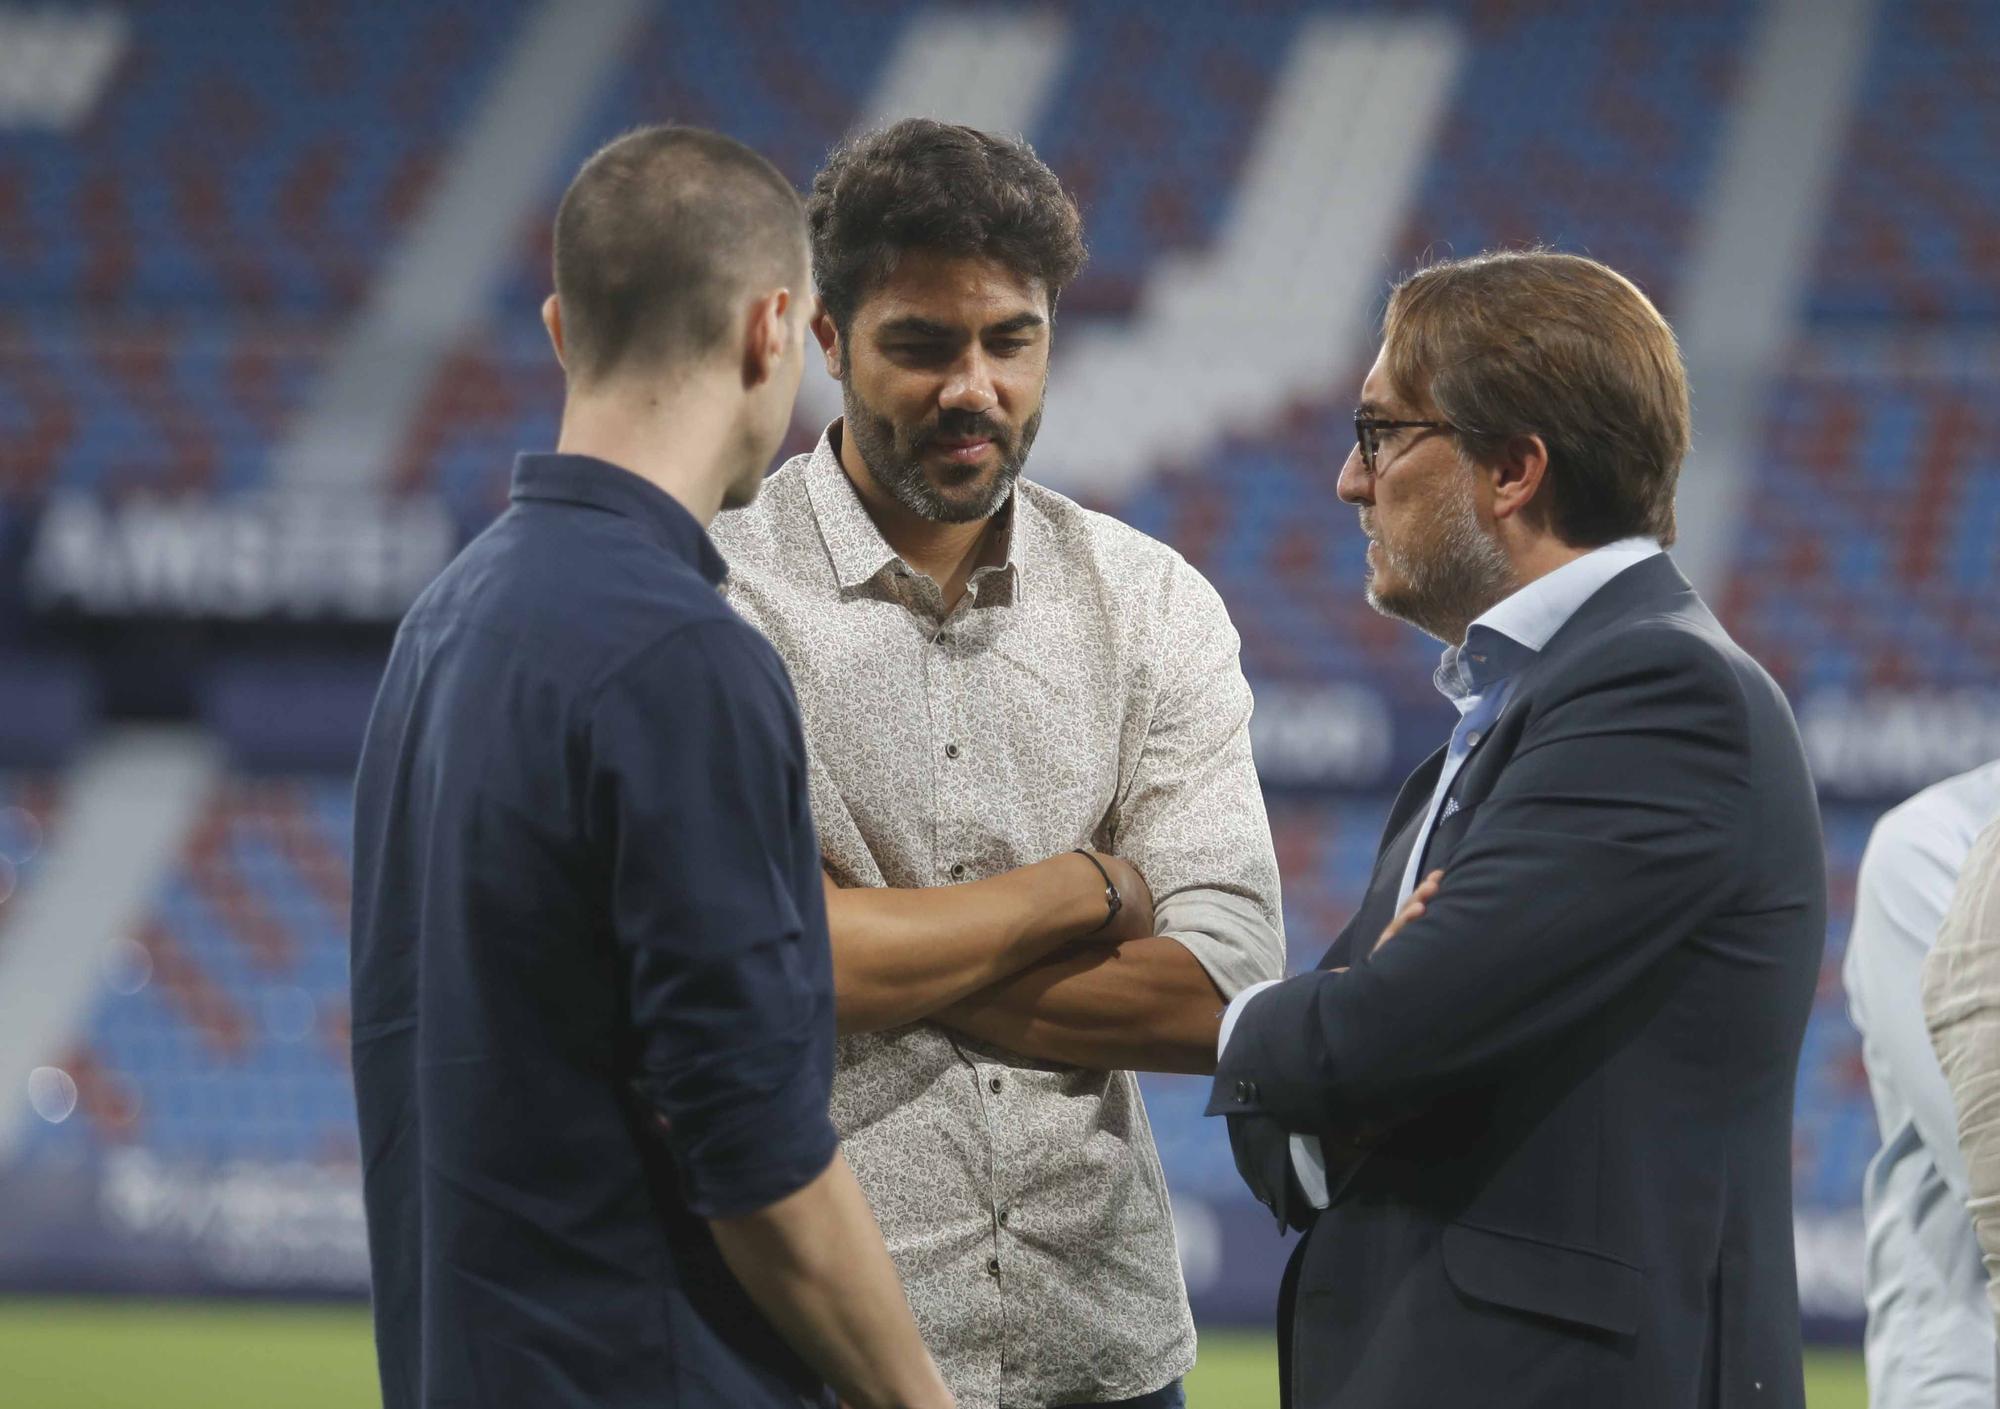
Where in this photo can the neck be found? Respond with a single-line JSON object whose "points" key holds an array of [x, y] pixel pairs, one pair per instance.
{"points": [[1539, 556], [1530, 560], [678, 440], [947, 553]]}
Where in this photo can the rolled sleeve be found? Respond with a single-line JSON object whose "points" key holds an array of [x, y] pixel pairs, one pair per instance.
{"points": [[699, 781], [1192, 819], [1961, 999]]}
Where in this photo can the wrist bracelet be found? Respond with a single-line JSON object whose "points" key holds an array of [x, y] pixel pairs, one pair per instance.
{"points": [[1112, 899]]}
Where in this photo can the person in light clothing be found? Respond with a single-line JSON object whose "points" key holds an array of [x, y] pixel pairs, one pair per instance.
{"points": [[992, 677], [1962, 1008], [1930, 1341]]}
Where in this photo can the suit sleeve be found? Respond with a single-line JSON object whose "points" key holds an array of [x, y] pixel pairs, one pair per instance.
{"points": [[1609, 837], [698, 792]]}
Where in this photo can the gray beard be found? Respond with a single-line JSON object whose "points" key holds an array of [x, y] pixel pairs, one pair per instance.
{"points": [[1450, 580]]}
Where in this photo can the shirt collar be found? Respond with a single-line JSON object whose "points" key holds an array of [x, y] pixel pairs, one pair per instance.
{"points": [[1513, 630], [856, 546], [599, 484]]}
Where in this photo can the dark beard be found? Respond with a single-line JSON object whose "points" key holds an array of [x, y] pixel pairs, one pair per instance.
{"points": [[894, 456]]}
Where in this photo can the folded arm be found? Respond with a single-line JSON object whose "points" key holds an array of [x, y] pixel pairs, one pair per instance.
{"points": [[1192, 819], [1144, 1005], [1612, 834], [900, 956]]}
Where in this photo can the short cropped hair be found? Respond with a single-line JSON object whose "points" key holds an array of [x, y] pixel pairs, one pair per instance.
{"points": [[927, 185], [658, 237], [1555, 345]]}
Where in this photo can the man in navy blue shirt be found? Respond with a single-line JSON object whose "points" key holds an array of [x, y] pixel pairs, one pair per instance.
{"points": [[593, 1011]]}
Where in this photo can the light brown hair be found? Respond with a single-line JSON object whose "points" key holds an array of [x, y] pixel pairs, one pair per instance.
{"points": [[1561, 347]]}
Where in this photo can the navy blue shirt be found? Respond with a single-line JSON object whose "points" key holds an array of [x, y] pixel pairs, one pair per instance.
{"points": [[593, 998]]}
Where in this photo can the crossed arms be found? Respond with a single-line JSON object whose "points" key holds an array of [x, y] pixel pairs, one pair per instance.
{"points": [[1025, 961]]}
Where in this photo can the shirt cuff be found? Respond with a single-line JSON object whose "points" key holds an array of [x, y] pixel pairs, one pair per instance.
{"points": [[1235, 1011]]}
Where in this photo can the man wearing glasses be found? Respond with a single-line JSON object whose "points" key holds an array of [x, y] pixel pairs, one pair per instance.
{"points": [[1541, 1139]]}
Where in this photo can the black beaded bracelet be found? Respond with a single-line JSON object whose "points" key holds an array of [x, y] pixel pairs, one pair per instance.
{"points": [[1112, 898]]}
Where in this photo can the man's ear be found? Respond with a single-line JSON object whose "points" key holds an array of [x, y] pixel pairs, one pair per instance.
{"points": [[828, 336], [552, 320], [1520, 478], [765, 337]]}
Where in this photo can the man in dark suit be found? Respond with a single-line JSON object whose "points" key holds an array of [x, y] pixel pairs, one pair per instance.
{"points": [[593, 998], [1540, 1139]]}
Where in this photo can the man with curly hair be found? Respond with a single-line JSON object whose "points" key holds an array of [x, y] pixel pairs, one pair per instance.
{"points": [[993, 678]]}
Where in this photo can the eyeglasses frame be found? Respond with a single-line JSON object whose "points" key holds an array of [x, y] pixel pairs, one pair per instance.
{"points": [[1367, 428]]}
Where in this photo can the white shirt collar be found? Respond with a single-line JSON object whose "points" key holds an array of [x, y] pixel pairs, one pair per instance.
{"points": [[1531, 616]]}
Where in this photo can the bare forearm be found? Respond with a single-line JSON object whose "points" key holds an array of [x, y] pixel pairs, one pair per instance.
{"points": [[1144, 1005], [815, 1265], [901, 955]]}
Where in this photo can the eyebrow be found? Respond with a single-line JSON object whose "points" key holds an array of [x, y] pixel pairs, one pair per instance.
{"points": [[913, 325], [920, 327], [1019, 323], [1371, 409]]}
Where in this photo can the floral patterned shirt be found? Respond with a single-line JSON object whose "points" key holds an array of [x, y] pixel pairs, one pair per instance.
{"points": [[1084, 692]]}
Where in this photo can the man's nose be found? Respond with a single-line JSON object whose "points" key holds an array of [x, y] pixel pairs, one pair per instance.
{"points": [[970, 385], [1355, 485]]}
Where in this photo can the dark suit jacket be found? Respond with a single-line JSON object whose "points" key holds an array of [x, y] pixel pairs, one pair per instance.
{"points": [[1583, 1055]]}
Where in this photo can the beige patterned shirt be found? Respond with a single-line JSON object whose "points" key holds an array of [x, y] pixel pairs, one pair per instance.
{"points": [[1962, 1009], [1085, 692]]}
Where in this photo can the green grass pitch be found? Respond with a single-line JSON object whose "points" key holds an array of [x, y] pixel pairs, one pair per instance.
{"points": [[143, 1355]]}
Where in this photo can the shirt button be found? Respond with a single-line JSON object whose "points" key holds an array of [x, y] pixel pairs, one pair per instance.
{"points": [[993, 1085], [1472, 739], [1005, 1214], [957, 870], [993, 1267], [951, 750]]}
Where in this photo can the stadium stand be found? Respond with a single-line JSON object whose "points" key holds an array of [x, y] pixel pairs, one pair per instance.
{"points": [[1590, 128], [1869, 552], [28, 815], [115, 410], [242, 163], [168, 275], [1834, 1134], [173, 264], [221, 1033], [1911, 238]]}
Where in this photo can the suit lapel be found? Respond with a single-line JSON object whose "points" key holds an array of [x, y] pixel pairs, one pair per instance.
{"points": [[1406, 819], [1651, 585]]}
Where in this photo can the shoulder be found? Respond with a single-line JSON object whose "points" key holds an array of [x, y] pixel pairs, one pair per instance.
{"points": [[1087, 546], [1932, 831], [711, 656], [1671, 655], [573, 587], [757, 536]]}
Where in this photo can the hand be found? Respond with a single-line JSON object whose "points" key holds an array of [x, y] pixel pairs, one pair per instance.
{"points": [[1134, 919], [1425, 892]]}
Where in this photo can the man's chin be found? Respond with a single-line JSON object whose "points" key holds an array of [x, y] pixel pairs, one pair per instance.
{"points": [[963, 501]]}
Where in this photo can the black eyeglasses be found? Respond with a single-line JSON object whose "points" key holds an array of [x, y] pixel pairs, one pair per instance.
{"points": [[1368, 434]]}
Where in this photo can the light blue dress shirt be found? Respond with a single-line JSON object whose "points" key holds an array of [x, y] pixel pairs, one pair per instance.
{"points": [[1930, 1333], [1476, 677]]}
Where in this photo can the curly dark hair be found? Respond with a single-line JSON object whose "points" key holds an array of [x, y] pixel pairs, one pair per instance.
{"points": [[926, 185]]}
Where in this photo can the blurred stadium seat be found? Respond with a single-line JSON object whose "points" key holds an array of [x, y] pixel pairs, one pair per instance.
{"points": [[176, 269]]}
